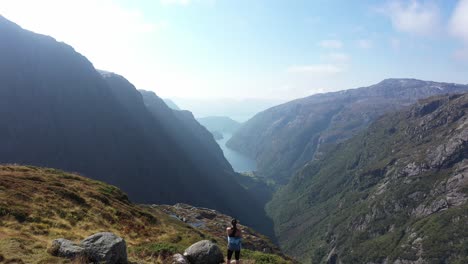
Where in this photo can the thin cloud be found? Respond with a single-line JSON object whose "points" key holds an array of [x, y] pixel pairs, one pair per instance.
{"points": [[338, 57], [175, 2], [319, 69], [331, 44], [67, 18], [364, 43], [413, 17], [186, 2], [458, 27], [395, 43]]}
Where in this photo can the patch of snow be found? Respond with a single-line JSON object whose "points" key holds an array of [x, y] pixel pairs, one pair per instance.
{"points": [[437, 87]]}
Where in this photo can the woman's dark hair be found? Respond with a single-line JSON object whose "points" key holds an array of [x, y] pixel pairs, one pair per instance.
{"points": [[234, 227]]}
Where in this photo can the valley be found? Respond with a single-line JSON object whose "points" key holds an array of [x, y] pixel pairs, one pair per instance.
{"points": [[286, 132], [58, 111]]}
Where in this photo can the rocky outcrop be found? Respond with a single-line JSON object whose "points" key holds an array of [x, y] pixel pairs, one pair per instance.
{"points": [[105, 247], [204, 252], [215, 223]]}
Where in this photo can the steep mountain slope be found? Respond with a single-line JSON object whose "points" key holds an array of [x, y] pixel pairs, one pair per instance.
{"points": [[194, 139], [284, 138], [171, 104], [395, 193], [56, 110], [38, 205], [221, 124], [191, 136]]}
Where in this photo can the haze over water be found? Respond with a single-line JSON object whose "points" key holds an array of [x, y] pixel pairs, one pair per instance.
{"points": [[238, 161]]}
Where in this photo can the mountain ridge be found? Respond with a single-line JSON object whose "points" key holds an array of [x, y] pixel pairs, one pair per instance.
{"points": [[285, 137], [58, 111], [390, 194]]}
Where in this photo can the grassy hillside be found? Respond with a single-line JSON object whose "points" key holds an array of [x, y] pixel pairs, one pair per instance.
{"points": [[396, 192], [209, 220], [38, 205]]}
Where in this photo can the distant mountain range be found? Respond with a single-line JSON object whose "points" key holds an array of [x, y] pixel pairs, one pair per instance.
{"points": [[396, 192], [286, 137], [237, 109], [222, 124], [57, 111]]}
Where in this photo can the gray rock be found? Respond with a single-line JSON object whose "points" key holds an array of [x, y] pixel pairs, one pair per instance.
{"points": [[204, 252], [105, 248], [178, 259], [66, 249]]}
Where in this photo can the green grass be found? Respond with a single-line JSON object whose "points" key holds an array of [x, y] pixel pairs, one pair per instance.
{"points": [[262, 258], [334, 202], [160, 250], [38, 205]]}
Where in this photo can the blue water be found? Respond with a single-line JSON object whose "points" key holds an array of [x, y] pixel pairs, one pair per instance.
{"points": [[239, 162]]}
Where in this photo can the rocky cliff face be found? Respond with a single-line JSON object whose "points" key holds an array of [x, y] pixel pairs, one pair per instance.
{"points": [[284, 138], [56, 110], [395, 193]]}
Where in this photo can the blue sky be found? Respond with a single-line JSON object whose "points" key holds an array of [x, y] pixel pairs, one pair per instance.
{"points": [[271, 49]]}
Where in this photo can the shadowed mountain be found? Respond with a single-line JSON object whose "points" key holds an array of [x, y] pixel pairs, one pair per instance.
{"points": [[192, 137], [395, 193], [57, 111], [284, 138]]}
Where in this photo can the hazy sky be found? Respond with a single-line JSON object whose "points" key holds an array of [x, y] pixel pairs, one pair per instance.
{"points": [[257, 48]]}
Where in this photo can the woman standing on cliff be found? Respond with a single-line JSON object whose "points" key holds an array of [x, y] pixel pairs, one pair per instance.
{"points": [[234, 235]]}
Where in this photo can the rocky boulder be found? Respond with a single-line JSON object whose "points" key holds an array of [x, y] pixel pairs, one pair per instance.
{"points": [[102, 247], [177, 259], [66, 249], [204, 252], [105, 247]]}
